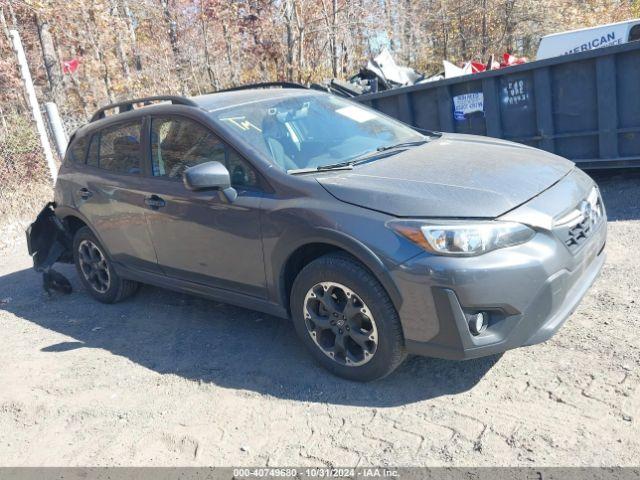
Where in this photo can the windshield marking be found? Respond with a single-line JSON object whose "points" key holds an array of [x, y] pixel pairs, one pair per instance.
{"points": [[243, 125], [315, 130], [360, 115]]}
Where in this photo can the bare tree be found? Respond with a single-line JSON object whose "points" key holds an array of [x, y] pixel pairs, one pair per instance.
{"points": [[126, 48], [49, 57]]}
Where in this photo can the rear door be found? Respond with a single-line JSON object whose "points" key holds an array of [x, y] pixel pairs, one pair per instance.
{"points": [[112, 195], [200, 236]]}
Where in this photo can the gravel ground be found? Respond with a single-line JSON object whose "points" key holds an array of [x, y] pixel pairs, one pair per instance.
{"points": [[167, 379]]}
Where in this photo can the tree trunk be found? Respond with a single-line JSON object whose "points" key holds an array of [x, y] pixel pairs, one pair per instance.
{"points": [[301, 31], [509, 24], [485, 37], [12, 15], [205, 41], [445, 30], [289, 10], [407, 46], [120, 52], [334, 38], [461, 33], [5, 28], [50, 58], [390, 24], [132, 35], [172, 27], [94, 40], [229, 50]]}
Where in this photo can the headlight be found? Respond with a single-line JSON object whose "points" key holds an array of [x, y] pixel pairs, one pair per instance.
{"points": [[463, 238]]}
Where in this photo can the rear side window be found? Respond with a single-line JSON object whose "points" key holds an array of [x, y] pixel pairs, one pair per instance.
{"points": [[117, 148], [78, 150]]}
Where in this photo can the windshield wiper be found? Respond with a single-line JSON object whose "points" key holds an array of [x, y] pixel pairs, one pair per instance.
{"points": [[348, 165], [415, 143], [335, 166], [386, 148]]}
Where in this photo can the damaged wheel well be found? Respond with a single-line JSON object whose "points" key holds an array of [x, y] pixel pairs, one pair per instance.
{"points": [[73, 224]]}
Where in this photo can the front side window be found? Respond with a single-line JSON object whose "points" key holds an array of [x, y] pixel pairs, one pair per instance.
{"points": [[312, 130], [117, 148], [179, 143]]}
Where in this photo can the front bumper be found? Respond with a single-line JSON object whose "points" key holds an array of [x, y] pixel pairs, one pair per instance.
{"points": [[529, 291]]}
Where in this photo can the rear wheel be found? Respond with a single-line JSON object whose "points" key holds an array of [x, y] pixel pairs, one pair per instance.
{"points": [[96, 271], [346, 319]]}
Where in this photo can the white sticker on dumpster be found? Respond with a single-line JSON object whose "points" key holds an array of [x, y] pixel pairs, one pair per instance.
{"points": [[466, 104]]}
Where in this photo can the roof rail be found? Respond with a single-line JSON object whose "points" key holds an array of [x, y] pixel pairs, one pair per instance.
{"points": [[127, 105], [264, 85]]}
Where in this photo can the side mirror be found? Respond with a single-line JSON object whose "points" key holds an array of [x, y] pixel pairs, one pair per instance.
{"points": [[209, 176]]}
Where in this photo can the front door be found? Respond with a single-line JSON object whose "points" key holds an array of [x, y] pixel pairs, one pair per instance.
{"points": [[200, 236]]}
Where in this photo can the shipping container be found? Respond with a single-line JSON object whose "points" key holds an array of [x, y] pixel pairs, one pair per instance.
{"points": [[583, 106]]}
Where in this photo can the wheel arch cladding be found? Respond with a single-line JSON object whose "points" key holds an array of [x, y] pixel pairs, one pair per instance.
{"points": [[307, 252]]}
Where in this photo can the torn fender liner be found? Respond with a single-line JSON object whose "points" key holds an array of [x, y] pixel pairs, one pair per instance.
{"points": [[49, 241]]}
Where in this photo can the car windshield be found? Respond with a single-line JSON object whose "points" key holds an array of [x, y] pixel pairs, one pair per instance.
{"points": [[313, 130]]}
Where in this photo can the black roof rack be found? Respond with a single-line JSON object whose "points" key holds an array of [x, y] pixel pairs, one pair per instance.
{"points": [[264, 85], [127, 105]]}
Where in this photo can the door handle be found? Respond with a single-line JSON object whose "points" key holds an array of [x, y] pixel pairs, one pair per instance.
{"points": [[85, 193], [154, 202]]}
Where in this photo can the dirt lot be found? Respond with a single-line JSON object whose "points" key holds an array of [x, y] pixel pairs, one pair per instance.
{"points": [[167, 379]]}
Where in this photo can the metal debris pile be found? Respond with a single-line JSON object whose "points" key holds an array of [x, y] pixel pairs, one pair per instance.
{"points": [[383, 73]]}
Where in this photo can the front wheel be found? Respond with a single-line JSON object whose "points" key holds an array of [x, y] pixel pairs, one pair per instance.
{"points": [[346, 319], [96, 271]]}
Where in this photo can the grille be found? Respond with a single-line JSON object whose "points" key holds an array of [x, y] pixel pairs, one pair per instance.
{"points": [[577, 226]]}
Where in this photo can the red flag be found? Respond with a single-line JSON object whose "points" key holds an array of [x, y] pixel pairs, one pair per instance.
{"points": [[70, 66], [477, 67]]}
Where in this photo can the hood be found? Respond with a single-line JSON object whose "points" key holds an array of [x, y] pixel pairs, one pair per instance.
{"points": [[454, 176]]}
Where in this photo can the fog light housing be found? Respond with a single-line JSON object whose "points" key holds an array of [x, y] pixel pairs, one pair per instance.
{"points": [[478, 323]]}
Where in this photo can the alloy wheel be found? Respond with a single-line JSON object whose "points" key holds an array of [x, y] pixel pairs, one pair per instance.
{"points": [[340, 324], [93, 265]]}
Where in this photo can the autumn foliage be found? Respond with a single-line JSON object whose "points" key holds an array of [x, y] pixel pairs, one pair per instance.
{"points": [[85, 53]]}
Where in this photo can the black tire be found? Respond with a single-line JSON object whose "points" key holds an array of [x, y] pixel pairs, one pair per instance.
{"points": [[114, 288], [342, 270]]}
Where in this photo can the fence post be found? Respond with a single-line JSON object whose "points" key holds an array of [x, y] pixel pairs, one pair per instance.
{"points": [[55, 123], [33, 103]]}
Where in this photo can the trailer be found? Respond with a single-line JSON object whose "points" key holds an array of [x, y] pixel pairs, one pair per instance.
{"points": [[583, 106]]}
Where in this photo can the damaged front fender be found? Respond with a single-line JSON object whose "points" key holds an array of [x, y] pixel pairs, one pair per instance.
{"points": [[49, 240]]}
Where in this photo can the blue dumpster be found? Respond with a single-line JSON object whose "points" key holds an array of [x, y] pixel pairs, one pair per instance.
{"points": [[584, 106]]}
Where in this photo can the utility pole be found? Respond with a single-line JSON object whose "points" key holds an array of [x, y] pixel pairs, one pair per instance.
{"points": [[57, 128], [33, 103]]}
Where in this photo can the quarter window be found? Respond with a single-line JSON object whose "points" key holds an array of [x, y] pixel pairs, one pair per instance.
{"points": [[180, 143]]}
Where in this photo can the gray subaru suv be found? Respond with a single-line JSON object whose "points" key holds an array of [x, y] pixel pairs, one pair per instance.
{"points": [[375, 239]]}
